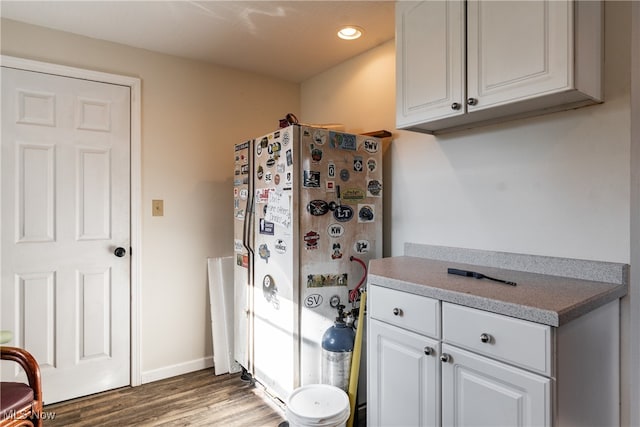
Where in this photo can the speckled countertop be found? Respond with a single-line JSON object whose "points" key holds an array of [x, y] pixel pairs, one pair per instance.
{"points": [[547, 299]]}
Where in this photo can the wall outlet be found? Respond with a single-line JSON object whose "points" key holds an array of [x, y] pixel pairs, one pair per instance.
{"points": [[157, 207]]}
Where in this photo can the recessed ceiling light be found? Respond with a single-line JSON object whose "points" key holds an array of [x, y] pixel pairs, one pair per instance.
{"points": [[350, 32]]}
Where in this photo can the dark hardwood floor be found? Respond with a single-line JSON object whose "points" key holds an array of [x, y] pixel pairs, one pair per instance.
{"points": [[195, 399]]}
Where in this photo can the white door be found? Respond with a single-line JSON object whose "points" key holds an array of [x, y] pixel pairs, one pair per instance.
{"points": [[430, 61], [518, 50], [478, 391], [65, 211], [403, 377]]}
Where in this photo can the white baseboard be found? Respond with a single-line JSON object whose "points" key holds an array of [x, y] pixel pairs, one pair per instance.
{"points": [[174, 370]]}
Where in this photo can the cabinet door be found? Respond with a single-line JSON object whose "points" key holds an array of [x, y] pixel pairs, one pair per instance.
{"points": [[517, 50], [429, 61], [403, 380], [480, 391]]}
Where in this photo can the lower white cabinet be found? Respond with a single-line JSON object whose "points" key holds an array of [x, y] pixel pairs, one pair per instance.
{"points": [[468, 367], [404, 377], [478, 391]]}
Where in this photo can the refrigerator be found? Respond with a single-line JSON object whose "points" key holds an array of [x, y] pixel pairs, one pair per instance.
{"points": [[307, 208]]}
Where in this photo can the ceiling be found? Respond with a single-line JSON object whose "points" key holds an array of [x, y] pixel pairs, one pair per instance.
{"points": [[291, 40]]}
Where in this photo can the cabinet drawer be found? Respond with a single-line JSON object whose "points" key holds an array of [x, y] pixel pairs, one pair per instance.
{"points": [[409, 311], [520, 342]]}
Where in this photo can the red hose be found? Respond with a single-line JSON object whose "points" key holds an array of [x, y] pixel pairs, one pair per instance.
{"points": [[354, 294]]}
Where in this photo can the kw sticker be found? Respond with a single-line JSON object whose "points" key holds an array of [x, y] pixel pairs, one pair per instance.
{"points": [[335, 230]]}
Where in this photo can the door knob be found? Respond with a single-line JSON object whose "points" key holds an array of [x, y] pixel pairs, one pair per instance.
{"points": [[472, 101], [120, 252], [428, 351], [456, 106], [445, 358]]}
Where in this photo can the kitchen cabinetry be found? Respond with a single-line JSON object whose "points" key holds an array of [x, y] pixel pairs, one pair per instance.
{"points": [[463, 64], [432, 362]]}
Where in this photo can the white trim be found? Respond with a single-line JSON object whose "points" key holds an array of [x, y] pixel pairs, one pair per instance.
{"points": [[175, 370], [136, 181], [633, 333]]}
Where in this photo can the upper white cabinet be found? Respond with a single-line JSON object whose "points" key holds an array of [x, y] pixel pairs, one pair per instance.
{"points": [[463, 64]]}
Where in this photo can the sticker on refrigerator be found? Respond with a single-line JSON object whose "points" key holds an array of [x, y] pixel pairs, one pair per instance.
{"points": [[289, 157], [352, 195], [330, 186], [242, 260], [271, 162], [320, 137], [260, 172], [276, 179], [238, 246], [264, 252], [344, 175], [366, 213], [280, 246], [313, 300], [240, 214], [278, 209], [243, 146], [335, 230], [262, 194], [343, 213], [358, 165], [325, 280], [372, 165], [268, 177], [318, 207], [371, 145], [361, 246], [258, 150], [331, 170], [266, 227], [374, 188], [280, 168], [274, 150], [311, 179], [269, 290], [316, 154], [311, 240], [336, 251], [286, 138], [345, 141]]}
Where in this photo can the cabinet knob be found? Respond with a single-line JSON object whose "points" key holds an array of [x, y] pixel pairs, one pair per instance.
{"points": [[456, 106], [428, 351], [485, 338], [472, 101], [445, 358], [397, 311]]}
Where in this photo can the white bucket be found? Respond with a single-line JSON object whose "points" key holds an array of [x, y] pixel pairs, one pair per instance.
{"points": [[318, 405]]}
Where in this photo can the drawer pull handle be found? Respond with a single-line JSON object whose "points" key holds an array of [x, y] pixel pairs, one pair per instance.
{"points": [[397, 311], [428, 351], [456, 106], [485, 338], [445, 358], [472, 101]]}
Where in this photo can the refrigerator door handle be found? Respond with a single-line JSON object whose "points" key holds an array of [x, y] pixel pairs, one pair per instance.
{"points": [[248, 220]]}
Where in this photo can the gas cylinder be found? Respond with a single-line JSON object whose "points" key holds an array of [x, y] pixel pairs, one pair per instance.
{"points": [[337, 349]]}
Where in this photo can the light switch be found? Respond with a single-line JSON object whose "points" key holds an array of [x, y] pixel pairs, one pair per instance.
{"points": [[157, 207]]}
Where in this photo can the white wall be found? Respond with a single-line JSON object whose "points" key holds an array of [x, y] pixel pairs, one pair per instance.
{"points": [[192, 114], [554, 185]]}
